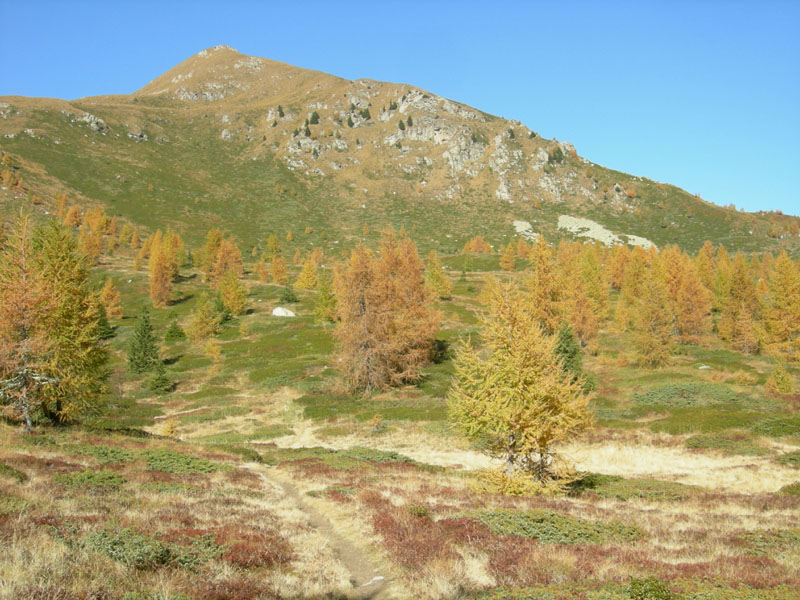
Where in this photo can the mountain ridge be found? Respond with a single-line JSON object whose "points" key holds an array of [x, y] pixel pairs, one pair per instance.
{"points": [[366, 149]]}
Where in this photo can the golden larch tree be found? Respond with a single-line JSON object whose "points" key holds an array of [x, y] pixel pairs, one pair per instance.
{"points": [[436, 278], [307, 279], [544, 293], [228, 258], [160, 276], [653, 322], [232, 293], [111, 301], [25, 344], [516, 398], [508, 260], [73, 217], [783, 309]]}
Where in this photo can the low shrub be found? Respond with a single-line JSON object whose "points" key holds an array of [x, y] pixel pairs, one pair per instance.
{"points": [[144, 552], [792, 489], [778, 426], [8, 472], [10, 504], [612, 486], [103, 454], [552, 528], [738, 444], [649, 588], [691, 394], [791, 459], [102, 480], [177, 463], [252, 548], [129, 547]]}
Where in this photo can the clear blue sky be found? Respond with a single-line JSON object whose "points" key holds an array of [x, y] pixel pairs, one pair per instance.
{"points": [[701, 94]]}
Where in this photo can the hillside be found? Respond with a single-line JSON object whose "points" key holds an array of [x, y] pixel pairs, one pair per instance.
{"points": [[258, 147]]}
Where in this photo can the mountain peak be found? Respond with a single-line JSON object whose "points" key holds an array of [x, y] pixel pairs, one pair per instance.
{"points": [[213, 74], [214, 49]]}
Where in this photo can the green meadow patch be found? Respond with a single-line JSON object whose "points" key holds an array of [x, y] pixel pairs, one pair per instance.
{"points": [[102, 480], [552, 528]]}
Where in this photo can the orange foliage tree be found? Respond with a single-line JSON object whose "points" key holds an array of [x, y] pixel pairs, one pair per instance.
{"points": [[386, 325]]}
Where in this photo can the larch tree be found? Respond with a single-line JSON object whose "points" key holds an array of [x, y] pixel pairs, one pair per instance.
{"points": [[78, 358], [90, 244], [721, 285], [653, 322], [307, 279], [508, 260], [73, 217], [590, 270], [385, 322], [690, 300], [208, 253], [544, 292], [233, 294], [111, 300], [515, 396], [261, 271], [24, 342], [636, 273], [160, 275], [175, 253], [325, 304], [278, 270], [436, 278], [783, 309], [741, 297], [228, 258], [617, 263], [203, 320]]}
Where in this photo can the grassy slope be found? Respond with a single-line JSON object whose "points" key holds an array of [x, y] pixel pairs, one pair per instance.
{"points": [[274, 380]]}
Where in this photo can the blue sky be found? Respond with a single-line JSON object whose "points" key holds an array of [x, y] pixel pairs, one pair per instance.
{"points": [[701, 94]]}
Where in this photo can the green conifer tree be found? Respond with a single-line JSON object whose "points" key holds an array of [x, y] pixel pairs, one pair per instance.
{"points": [[568, 351], [159, 383], [142, 351]]}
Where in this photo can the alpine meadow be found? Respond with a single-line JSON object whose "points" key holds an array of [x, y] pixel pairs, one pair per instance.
{"points": [[270, 333]]}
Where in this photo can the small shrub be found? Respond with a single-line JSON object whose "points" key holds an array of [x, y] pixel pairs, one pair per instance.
{"points": [[129, 547], [418, 511], [649, 588], [778, 427], [174, 333], [288, 296], [552, 528], [790, 458], [11, 504], [690, 395], [103, 480], [103, 454], [737, 444], [160, 383], [176, 463], [780, 381], [792, 489], [252, 548], [11, 473]]}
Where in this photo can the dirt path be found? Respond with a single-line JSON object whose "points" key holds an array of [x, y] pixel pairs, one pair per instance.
{"points": [[369, 580]]}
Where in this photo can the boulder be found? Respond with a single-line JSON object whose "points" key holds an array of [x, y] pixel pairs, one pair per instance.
{"points": [[282, 312]]}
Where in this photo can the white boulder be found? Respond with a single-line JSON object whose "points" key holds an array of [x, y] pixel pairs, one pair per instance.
{"points": [[282, 312]]}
